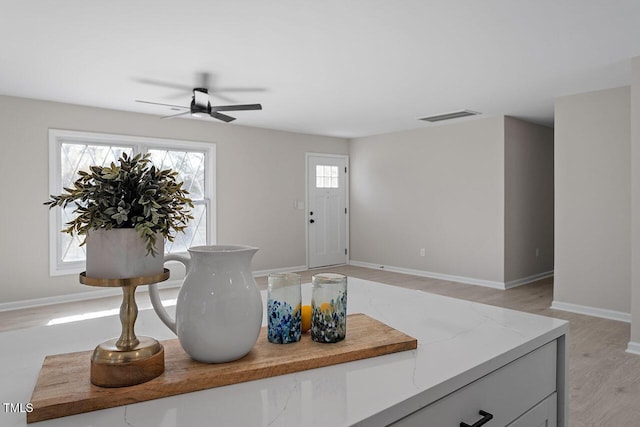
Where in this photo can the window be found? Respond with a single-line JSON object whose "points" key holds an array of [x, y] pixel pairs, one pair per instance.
{"points": [[326, 176], [190, 166], [71, 151]]}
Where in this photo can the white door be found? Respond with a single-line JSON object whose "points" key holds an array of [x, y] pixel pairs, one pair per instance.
{"points": [[326, 210]]}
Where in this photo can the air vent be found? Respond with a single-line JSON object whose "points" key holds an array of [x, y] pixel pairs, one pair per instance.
{"points": [[449, 116]]}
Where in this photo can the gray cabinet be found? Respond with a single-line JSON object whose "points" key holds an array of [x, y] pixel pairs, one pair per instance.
{"points": [[519, 394]]}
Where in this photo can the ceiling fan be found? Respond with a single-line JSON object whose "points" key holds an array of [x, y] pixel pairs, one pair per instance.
{"points": [[201, 107]]}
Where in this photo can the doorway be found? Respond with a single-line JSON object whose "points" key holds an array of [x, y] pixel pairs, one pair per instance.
{"points": [[327, 210]]}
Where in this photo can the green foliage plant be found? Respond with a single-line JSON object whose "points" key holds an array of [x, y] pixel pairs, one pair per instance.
{"points": [[133, 194]]}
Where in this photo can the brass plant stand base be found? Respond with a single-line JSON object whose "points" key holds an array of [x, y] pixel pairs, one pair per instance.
{"points": [[127, 360], [131, 370]]}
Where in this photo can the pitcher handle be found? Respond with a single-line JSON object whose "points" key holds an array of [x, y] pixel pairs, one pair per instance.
{"points": [[156, 302]]}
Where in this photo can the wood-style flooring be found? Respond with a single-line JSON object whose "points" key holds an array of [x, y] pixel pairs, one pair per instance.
{"points": [[604, 380]]}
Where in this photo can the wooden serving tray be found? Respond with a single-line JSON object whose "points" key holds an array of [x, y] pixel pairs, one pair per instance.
{"points": [[64, 387]]}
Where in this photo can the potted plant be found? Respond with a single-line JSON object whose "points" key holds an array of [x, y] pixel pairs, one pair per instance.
{"points": [[125, 212]]}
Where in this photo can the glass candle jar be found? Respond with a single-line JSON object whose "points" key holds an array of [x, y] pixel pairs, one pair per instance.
{"points": [[283, 308], [328, 307]]}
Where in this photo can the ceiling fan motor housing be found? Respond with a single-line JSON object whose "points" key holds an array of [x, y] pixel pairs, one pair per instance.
{"points": [[200, 105]]}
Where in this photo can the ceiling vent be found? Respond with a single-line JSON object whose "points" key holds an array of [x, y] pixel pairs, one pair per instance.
{"points": [[449, 116]]}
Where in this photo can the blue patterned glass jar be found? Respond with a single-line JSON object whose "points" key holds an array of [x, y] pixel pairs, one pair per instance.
{"points": [[284, 308], [328, 307]]}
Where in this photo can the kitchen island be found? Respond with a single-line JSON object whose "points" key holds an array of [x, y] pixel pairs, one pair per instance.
{"points": [[471, 357]]}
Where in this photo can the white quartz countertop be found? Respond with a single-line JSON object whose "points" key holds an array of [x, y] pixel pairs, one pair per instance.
{"points": [[458, 342]]}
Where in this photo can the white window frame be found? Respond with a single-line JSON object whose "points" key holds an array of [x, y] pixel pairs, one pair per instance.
{"points": [[139, 144]]}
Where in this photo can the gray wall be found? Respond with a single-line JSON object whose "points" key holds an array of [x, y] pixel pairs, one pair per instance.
{"points": [[592, 193], [477, 195], [260, 173], [528, 199], [439, 188]]}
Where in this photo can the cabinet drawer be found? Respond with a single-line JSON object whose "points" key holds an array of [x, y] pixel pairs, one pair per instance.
{"points": [[544, 414], [506, 393]]}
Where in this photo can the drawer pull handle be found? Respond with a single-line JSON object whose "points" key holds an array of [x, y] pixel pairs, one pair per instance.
{"points": [[486, 417]]}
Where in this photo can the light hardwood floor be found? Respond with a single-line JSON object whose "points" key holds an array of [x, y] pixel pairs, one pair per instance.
{"points": [[604, 380]]}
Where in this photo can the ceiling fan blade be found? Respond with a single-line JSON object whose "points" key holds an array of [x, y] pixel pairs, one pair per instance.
{"points": [[217, 96], [236, 107], [176, 115], [164, 84], [216, 93], [239, 89], [222, 117], [165, 105], [208, 80]]}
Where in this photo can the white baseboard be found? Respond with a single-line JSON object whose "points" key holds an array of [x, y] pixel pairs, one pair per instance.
{"points": [[633, 347], [592, 311], [109, 292], [467, 280], [432, 275], [530, 279]]}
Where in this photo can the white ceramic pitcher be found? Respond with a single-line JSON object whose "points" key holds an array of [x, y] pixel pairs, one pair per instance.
{"points": [[219, 307]]}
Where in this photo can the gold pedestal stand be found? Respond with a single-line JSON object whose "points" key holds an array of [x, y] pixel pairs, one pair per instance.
{"points": [[127, 360]]}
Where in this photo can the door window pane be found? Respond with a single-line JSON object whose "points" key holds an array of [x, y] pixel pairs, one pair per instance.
{"points": [[326, 176]]}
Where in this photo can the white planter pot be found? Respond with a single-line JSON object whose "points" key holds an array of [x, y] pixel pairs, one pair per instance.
{"points": [[121, 253]]}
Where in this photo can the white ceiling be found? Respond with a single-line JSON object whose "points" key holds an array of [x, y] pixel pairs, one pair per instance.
{"points": [[343, 68]]}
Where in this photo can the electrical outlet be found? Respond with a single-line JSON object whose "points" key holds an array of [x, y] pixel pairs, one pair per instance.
{"points": [[423, 252]]}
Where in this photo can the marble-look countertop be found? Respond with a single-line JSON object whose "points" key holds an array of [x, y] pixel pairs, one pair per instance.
{"points": [[458, 342]]}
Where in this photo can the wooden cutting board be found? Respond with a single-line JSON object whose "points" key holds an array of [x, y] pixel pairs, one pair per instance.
{"points": [[64, 387]]}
